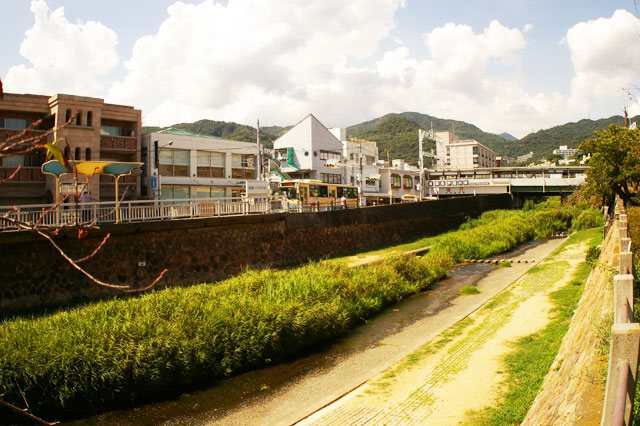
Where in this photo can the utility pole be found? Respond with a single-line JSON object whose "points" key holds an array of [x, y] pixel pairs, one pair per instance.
{"points": [[389, 172], [421, 134], [361, 185], [259, 156]]}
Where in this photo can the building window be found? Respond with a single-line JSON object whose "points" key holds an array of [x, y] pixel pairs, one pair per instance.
{"points": [[87, 154], [370, 160], [243, 166], [448, 161], [448, 150], [79, 118], [475, 150], [174, 162], [475, 160], [210, 164], [89, 118], [15, 123], [115, 131], [408, 182], [329, 155], [67, 116], [210, 192], [174, 192], [331, 178], [396, 181], [76, 154], [67, 152]]}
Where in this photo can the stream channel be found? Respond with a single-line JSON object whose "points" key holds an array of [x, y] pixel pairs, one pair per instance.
{"points": [[289, 391]]}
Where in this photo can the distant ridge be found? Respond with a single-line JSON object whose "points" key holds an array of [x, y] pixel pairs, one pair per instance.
{"points": [[508, 137], [398, 132]]}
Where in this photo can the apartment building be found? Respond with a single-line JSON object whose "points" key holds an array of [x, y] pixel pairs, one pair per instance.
{"points": [[454, 153], [182, 165], [98, 131]]}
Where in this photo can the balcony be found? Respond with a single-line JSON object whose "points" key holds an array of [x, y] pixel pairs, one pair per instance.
{"points": [[118, 143]]}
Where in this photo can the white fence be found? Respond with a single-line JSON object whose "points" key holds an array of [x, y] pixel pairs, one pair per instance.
{"points": [[136, 211]]}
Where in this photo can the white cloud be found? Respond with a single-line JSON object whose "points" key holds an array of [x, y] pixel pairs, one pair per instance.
{"points": [[231, 62], [606, 56], [64, 57], [279, 60]]}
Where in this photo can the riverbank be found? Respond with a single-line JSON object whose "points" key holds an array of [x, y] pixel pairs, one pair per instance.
{"points": [[123, 352], [467, 358]]}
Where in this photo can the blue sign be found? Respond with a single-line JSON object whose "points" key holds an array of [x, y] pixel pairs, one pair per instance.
{"points": [[154, 182]]}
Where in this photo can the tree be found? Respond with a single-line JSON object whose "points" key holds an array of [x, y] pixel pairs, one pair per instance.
{"points": [[614, 168]]}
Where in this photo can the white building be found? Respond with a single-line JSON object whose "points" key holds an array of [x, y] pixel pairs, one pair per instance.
{"points": [[454, 153], [181, 164], [566, 153], [310, 151]]}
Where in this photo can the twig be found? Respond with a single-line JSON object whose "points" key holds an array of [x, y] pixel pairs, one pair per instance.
{"points": [[15, 172], [104, 240], [164, 271], [23, 397], [25, 413], [76, 266]]}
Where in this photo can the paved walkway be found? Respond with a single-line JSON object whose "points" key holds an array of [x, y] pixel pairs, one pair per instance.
{"points": [[334, 386], [459, 370]]}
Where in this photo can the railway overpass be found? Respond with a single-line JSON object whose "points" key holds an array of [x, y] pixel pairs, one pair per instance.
{"points": [[522, 182]]}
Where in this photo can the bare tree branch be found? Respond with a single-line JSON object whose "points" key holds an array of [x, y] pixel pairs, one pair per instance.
{"points": [[25, 413], [104, 240]]}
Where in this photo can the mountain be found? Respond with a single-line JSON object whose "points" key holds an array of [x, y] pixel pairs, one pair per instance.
{"points": [[543, 142], [508, 137], [227, 130], [399, 133], [392, 132]]}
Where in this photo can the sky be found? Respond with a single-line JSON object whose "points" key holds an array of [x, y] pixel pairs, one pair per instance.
{"points": [[514, 66]]}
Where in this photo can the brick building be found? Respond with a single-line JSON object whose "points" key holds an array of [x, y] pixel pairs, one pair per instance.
{"points": [[99, 131]]}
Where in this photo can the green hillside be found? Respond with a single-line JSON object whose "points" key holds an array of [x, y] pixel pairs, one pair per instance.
{"points": [[404, 143], [226, 130], [399, 134], [543, 142]]}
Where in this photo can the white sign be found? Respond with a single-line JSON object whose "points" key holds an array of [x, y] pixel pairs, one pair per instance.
{"points": [[257, 188]]}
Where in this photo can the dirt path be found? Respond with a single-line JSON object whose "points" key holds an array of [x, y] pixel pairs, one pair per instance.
{"points": [[460, 369]]}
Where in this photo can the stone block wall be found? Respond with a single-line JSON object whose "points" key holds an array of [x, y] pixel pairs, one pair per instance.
{"points": [[205, 250]]}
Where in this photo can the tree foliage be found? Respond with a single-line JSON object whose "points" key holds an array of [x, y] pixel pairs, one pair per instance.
{"points": [[615, 162]]}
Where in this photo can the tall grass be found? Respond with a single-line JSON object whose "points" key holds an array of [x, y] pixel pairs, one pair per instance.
{"points": [[121, 352]]}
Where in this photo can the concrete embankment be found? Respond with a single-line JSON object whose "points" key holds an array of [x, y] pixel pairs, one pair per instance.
{"points": [[573, 391]]}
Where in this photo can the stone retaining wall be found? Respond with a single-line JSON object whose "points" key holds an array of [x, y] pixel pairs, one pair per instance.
{"points": [[573, 390], [204, 250]]}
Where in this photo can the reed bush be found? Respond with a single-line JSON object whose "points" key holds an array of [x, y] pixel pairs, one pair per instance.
{"points": [[121, 352]]}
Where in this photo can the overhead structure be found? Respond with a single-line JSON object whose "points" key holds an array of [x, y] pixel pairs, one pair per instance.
{"points": [[117, 169]]}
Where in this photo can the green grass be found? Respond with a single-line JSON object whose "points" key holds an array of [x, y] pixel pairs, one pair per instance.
{"points": [[469, 289], [504, 264], [121, 352], [532, 356]]}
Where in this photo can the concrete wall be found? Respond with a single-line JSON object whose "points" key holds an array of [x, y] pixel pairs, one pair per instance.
{"points": [[32, 272]]}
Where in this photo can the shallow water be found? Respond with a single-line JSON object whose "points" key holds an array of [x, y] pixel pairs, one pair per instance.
{"points": [[241, 392]]}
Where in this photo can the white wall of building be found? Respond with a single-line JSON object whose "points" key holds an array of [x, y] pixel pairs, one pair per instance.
{"points": [[167, 141]]}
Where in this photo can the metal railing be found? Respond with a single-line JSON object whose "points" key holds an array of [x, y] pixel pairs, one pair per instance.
{"points": [[137, 211]]}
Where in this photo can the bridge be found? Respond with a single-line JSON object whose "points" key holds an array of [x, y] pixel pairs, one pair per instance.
{"points": [[519, 181]]}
